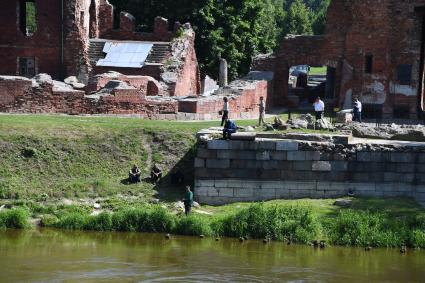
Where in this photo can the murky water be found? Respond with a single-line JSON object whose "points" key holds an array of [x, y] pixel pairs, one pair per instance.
{"points": [[62, 256]]}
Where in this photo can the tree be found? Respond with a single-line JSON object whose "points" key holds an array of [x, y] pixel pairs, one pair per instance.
{"points": [[299, 19]]}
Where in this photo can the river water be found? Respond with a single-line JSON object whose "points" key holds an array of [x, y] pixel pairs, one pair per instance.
{"points": [[63, 256]]}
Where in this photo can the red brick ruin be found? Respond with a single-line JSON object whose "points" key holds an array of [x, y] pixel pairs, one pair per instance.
{"points": [[373, 50]]}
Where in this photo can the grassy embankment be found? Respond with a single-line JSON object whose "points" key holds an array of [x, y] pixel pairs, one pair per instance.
{"points": [[46, 159]]}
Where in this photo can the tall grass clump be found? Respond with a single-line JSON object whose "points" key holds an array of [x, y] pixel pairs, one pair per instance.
{"points": [[73, 221], [14, 218], [295, 223], [143, 219], [194, 225], [361, 228]]}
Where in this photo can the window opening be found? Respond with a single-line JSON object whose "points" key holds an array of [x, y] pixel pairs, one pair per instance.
{"points": [[28, 17], [368, 64], [27, 67]]}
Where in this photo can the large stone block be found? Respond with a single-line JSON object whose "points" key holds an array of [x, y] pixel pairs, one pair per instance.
{"points": [[287, 145], [339, 166], [244, 193], [322, 166], [406, 168], [264, 194], [296, 155], [201, 191], [199, 163], [312, 155], [278, 155], [399, 177], [204, 183], [302, 165], [263, 155], [218, 163], [402, 157], [242, 145], [225, 192], [219, 144], [206, 153], [265, 145]]}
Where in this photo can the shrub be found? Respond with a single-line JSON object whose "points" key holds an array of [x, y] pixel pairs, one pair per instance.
{"points": [[193, 225], [14, 218], [101, 222], [276, 222], [73, 221]]}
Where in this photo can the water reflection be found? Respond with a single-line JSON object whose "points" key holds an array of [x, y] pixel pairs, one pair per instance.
{"points": [[62, 256]]}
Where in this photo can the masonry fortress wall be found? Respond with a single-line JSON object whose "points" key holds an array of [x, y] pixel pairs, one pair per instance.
{"points": [[267, 169]]}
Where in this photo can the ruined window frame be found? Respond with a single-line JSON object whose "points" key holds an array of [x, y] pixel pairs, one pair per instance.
{"points": [[29, 71], [116, 19], [27, 19]]}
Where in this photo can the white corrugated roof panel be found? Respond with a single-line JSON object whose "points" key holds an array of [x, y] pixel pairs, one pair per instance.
{"points": [[125, 54]]}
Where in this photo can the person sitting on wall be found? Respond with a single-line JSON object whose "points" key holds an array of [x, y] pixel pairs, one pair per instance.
{"points": [[319, 108], [156, 174], [357, 111], [134, 174], [188, 201], [229, 129], [177, 176]]}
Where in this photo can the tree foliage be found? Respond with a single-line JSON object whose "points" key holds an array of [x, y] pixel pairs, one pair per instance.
{"points": [[235, 30]]}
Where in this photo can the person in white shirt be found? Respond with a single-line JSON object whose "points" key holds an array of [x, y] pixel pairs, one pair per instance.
{"points": [[225, 111], [357, 111], [319, 108]]}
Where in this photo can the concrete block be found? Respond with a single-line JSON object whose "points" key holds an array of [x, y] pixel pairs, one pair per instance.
{"points": [[244, 193], [420, 189], [218, 163], [199, 162], [406, 168], [306, 186], [262, 155], [421, 157], [235, 184], [360, 177], [396, 177], [242, 145], [203, 173], [224, 154], [300, 193], [204, 183], [270, 165], [302, 165], [339, 166], [312, 155], [270, 175], [265, 145], [206, 153], [219, 144], [213, 192], [221, 183], [270, 185], [201, 191], [252, 184], [402, 157], [286, 165], [264, 194], [287, 145], [279, 155], [225, 192], [296, 155], [326, 156], [359, 187], [322, 166]]}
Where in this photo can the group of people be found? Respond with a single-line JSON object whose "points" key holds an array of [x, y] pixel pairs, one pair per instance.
{"points": [[177, 178], [134, 176], [319, 109]]}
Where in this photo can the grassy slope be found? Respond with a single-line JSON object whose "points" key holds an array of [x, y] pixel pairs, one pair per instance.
{"points": [[86, 157]]}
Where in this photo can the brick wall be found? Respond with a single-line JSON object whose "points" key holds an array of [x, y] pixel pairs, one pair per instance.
{"points": [[234, 171]]}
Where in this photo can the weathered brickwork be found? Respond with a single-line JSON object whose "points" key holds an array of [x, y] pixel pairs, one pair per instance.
{"points": [[233, 171], [387, 35]]}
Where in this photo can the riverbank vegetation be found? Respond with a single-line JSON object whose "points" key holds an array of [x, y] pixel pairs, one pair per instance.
{"points": [[69, 172]]}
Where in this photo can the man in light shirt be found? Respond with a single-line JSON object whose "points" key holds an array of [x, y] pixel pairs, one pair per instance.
{"points": [[262, 112], [357, 111], [319, 108]]}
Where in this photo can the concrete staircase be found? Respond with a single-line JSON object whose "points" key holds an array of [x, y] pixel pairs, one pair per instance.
{"points": [[159, 52]]}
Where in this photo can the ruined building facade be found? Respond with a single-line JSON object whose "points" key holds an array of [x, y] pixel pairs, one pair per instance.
{"points": [[374, 50], [67, 38]]}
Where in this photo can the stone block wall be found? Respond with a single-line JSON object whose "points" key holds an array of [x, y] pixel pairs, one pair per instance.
{"points": [[265, 169]]}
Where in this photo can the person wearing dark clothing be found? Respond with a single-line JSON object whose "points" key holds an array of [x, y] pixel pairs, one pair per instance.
{"points": [[225, 111], [156, 174], [188, 201], [229, 129], [134, 174]]}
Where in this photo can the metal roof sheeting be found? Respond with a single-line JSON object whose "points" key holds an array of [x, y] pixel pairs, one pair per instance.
{"points": [[125, 54]]}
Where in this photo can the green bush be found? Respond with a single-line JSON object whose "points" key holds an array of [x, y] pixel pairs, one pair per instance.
{"points": [[49, 220], [14, 218], [275, 222], [73, 221], [194, 225], [101, 222]]}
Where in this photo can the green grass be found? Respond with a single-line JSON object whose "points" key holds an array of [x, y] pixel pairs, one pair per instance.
{"points": [[14, 218], [317, 70]]}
